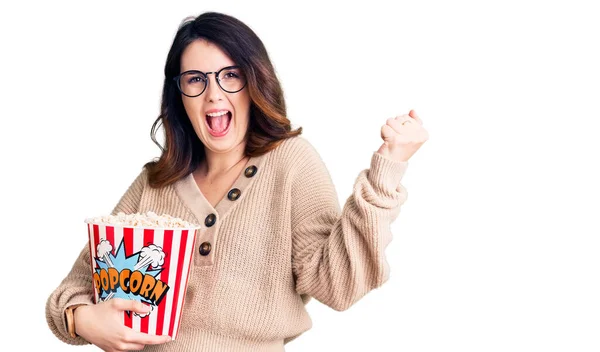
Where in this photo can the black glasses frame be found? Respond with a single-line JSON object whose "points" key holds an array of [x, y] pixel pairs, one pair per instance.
{"points": [[177, 80]]}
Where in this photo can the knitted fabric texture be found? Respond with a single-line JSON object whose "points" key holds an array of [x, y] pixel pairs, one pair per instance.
{"points": [[284, 240]]}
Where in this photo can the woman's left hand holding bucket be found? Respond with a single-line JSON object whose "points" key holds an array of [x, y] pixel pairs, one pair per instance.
{"points": [[102, 325]]}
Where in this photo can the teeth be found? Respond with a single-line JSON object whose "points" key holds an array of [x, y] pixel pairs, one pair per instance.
{"points": [[220, 113]]}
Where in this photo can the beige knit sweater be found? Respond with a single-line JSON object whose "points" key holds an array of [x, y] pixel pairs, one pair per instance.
{"points": [[283, 240]]}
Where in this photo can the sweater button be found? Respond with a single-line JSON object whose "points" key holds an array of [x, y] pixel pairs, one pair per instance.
{"points": [[205, 248], [250, 171], [234, 194], [210, 220]]}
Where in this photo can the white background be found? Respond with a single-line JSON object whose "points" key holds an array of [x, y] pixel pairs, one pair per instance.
{"points": [[496, 248]]}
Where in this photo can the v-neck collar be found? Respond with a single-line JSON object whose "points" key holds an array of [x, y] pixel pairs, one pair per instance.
{"points": [[194, 199]]}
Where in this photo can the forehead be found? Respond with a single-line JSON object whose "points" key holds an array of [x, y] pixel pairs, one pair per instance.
{"points": [[204, 56]]}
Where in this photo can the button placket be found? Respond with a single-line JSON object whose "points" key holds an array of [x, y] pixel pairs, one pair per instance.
{"points": [[205, 243], [234, 194], [188, 191], [205, 248], [250, 171], [210, 220]]}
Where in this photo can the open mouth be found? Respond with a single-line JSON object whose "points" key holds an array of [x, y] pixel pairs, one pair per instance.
{"points": [[219, 125]]}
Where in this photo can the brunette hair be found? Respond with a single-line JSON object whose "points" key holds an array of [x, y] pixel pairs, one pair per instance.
{"points": [[268, 125]]}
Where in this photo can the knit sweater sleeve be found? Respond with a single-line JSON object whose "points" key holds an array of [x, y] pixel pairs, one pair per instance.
{"points": [[338, 256], [76, 287]]}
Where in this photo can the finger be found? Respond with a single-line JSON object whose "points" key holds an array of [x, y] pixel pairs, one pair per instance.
{"points": [[146, 339], [132, 347], [387, 133], [130, 305], [414, 115], [400, 125], [411, 123]]}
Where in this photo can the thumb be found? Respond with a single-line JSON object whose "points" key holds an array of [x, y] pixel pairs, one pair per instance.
{"points": [[414, 115], [387, 133], [130, 305]]}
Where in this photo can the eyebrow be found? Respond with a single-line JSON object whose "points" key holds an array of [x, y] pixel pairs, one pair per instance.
{"points": [[219, 69]]}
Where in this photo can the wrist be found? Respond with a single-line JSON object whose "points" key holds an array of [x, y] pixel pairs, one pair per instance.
{"points": [[71, 319], [396, 156]]}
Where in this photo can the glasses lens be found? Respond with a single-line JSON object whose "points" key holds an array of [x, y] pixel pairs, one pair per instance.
{"points": [[192, 83], [232, 79]]}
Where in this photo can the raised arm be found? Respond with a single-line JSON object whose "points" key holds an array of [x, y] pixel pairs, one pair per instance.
{"points": [[338, 256]]}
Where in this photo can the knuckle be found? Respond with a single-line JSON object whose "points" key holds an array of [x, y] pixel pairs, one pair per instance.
{"points": [[136, 347], [131, 336]]}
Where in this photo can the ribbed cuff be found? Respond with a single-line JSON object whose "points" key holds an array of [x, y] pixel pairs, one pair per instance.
{"points": [[385, 174]]}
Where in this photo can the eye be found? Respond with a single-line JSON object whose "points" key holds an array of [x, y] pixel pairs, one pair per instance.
{"points": [[231, 75], [195, 79]]}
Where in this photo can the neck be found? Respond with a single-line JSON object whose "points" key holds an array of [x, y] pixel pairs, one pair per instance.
{"points": [[218, 164]]}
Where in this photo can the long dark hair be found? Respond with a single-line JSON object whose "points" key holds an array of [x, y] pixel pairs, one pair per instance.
{"points": [[268, 125]]}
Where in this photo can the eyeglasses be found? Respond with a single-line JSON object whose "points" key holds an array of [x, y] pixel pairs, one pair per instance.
{"points": [[192, 83]]}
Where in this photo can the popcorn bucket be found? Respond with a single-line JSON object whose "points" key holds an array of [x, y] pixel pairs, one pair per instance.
{"points": [[146, 264]]}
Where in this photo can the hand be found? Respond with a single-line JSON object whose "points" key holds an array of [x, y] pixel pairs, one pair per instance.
{"points": [[402, 136], [102, 325]]}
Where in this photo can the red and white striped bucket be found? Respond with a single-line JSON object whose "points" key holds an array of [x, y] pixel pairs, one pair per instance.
{"points": [[150, 265]]}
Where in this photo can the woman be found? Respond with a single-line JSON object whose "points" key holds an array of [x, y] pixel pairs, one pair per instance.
{"points": [[273, 232]]}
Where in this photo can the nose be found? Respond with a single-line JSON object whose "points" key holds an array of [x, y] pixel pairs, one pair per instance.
{"points": [[213, 91]]}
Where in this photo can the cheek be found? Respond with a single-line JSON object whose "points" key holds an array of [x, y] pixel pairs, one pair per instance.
{"points": [[192, 109], [244, 117], [244, 108]]}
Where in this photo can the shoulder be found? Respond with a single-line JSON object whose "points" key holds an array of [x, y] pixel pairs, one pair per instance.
{"points": [[141, 179], [130, 200], [296, 149], [142, 175], [297, 156]]}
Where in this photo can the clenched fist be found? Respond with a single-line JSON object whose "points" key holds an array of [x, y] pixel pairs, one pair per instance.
{"points": [[402, 136]]}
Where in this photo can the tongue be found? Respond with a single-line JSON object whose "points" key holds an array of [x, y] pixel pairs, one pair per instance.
{"points": [[218, 123]]}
